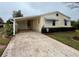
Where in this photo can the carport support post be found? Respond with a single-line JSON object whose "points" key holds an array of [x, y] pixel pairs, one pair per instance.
{"points": [[13, 26]]}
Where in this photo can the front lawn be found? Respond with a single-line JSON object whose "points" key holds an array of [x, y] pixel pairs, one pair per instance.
{"points": [[1, 51], [66, 38], [3, 41]]}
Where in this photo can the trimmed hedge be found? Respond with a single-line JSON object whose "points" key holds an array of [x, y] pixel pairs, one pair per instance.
{"points": [[60, 29]]}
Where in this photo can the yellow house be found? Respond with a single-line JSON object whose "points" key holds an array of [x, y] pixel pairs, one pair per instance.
{"points": [[36, 23]]}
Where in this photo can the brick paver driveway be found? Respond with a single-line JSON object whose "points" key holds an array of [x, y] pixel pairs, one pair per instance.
{"points": [[36, 44]]}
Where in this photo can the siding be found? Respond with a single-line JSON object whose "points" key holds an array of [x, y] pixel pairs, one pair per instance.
{"points": [[59, 23]]}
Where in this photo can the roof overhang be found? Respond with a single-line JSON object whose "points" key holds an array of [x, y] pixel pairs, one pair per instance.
{"points": [[55, 12], [25, 18]]}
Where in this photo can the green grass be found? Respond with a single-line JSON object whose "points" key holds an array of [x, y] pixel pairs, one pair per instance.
{"points": [[66, 38], [1, 51], [4, 41], [77, 31]]}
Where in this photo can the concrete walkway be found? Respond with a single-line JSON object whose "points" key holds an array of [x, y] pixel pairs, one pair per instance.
{"points": [[33, 44]]}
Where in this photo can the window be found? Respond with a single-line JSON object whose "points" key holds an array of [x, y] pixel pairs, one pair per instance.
{"points": [[57, 14], [65, 22], [53, 22]]}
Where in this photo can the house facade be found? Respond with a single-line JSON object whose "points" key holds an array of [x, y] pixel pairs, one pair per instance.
{"points": [[36, 23]]}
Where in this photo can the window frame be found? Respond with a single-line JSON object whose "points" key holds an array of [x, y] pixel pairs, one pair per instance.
{"points": [[53, 22], [65, 22], [57, 14]]}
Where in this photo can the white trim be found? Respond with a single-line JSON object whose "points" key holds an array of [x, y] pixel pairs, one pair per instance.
{"points": [[13, 26]]}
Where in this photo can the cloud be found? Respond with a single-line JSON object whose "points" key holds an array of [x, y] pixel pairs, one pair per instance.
{"points": [[31, 8], [27, 9], [6, 9]]}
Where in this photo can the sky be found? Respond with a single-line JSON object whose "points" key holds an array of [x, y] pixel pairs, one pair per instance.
{"points": [[36, 8]]}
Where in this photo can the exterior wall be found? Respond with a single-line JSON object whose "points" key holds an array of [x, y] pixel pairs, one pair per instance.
{"points": [[22, 25], [59, 22], [41, 24], [38, 22], [35, 24]]}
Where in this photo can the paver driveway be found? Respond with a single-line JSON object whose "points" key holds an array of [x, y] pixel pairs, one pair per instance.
{"points": [[36, 44]]}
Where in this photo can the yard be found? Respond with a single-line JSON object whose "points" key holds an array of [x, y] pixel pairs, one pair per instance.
{"points": [[66, 38], [3, 42]]}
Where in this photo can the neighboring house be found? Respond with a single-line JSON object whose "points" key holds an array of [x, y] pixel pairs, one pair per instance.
{"points": [[36, 23], [1, 22]]}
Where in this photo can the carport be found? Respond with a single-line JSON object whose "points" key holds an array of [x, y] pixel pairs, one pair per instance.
{"points": [[25, 23]]}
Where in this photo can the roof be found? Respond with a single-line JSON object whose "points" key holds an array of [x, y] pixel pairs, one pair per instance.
{"points": [[41, 15], [25, 17], [56, 12]]}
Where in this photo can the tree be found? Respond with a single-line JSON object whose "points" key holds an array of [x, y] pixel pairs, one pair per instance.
{"points": [[9, 21], [78, 24], [17, 13], [73, 24]]}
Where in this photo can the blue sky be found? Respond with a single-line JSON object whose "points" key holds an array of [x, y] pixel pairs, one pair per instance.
{"points": [[36, 8]]}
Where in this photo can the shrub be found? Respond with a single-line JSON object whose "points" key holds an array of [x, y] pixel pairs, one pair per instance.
{"points": [[75, 24], [61, 29], [9, 21], [8, 29]]}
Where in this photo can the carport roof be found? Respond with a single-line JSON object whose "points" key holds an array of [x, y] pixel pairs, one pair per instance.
{"points": [[28, 17]]}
